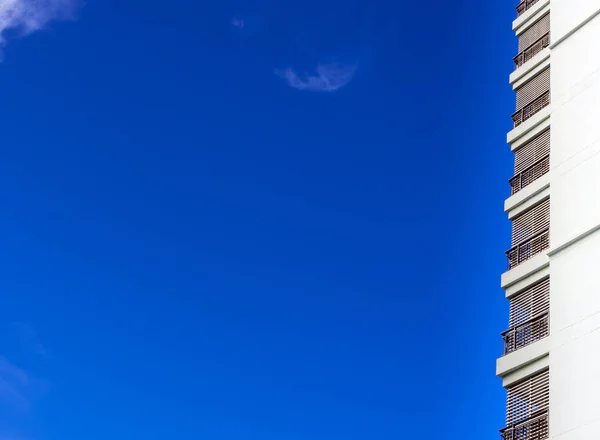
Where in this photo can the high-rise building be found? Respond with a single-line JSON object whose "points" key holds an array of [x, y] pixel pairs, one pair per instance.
{"points": [[551, 361]]}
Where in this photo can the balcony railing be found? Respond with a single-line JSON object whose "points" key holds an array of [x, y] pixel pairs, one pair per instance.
{"points": [[525, 5], [532, 51], [527, 333], [531, 109], [528, 249], [534, 428], [529, 175]]}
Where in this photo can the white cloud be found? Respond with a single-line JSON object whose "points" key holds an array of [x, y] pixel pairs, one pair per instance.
{"points": [[27, 16], [326, 78], [14, 383], [238, 23], [19, 392], [28, 338]]}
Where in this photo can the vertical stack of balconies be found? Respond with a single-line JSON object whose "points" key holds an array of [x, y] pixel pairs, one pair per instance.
{"points": [[524, 366]]}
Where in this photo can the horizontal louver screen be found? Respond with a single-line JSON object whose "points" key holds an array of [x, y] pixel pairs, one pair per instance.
{"points": [[532, 152], [531, 223], [529, 304], [528, 399], [534, 33], [533, 89]]}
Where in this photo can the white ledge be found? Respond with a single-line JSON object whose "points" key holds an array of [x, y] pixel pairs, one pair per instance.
{"points": [[522, 357], [529, 125], [526, 283], [524, 270], [539, 128], [526, 370], [531, 68], [516, 203], [530, 16], [529, 202]]}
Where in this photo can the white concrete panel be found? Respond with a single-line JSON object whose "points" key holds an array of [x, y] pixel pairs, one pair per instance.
{"points": [[575, 384], [575, 124], [586, 432], [575, 59], [575, 89], [575, 201], [575, 343], [567, 15], [575, 285]]}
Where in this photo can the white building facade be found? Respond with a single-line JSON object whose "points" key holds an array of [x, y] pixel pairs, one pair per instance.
{"points": [[551, 361]]}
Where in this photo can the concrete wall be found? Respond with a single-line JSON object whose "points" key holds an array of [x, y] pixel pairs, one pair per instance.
{"points": [[575, 342], [571, 14], [575, 214]]}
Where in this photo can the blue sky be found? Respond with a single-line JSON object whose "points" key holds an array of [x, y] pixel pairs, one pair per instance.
{"points": [[253, 219]]}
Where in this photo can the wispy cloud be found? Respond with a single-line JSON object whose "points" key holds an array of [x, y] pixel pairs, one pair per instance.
{"points": [[238, 23], [27, 16], [20, 390], [14, 384], [326, 77], [27, 338]]}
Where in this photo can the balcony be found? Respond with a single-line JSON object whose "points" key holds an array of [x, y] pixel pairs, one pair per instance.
{"points": [[528, 249], [534, 428], [527, 333], [532, 50], [529, 175], [524, 6], [531, 109]]}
